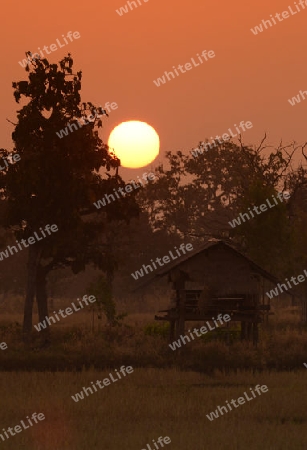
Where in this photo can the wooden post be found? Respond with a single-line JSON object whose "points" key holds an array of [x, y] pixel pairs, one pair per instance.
{"points": [[172, 330], [304, 310], [255, 333], [243, 331], [182, 297], [249, 331], [228, 334]]}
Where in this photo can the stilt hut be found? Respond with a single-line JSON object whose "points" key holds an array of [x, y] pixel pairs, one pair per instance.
{"points": [[217, 279]]}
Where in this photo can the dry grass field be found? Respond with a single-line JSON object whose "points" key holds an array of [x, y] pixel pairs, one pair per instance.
{"points": [[168, 394], [150, 403]]}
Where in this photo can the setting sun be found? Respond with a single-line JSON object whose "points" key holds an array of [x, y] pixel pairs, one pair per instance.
{"points": [[135, 143]]}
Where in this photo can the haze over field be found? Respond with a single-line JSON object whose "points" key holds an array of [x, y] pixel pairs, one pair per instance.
{"points": [[153, 210]]}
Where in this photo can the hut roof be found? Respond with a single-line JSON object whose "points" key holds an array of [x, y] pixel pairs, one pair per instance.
{"points": [[210, 244]]}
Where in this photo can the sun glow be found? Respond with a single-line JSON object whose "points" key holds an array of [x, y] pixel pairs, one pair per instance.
{"points": [[135, 143]]}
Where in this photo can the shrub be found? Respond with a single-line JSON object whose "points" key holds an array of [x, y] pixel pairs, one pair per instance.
{"points": [[157, 329]]}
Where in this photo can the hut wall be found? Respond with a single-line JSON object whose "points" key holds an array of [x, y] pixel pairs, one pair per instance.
{"points": [[224, 272]]}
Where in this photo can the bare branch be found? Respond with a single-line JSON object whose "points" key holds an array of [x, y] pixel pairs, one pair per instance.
{"points": [[11, 122]]}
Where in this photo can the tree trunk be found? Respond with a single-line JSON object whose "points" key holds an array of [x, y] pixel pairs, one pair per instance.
{"points": [[42, 299], [34, 256], [110, 311]]}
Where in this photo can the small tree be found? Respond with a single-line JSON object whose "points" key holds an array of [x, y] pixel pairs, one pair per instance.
{"points": [[104, 304]]}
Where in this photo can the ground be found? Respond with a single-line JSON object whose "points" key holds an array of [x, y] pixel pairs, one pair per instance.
{"points": [[150, 403], [169, 393]]}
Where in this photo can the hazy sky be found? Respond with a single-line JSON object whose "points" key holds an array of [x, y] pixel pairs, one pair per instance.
{"points": [[251, 77]]}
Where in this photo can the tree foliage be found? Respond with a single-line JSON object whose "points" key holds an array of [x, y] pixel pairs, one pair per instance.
{"points": [[197, 197]]}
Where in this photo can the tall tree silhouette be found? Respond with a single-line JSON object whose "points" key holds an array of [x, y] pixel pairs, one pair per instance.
{"points": [[56, 180]]}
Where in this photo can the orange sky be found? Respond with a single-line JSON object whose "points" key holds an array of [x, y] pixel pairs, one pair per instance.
{"points": [[250, 78]]}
